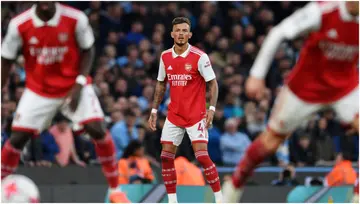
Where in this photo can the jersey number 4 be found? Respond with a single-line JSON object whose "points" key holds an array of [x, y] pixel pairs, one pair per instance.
{"points": [[200, 128]]}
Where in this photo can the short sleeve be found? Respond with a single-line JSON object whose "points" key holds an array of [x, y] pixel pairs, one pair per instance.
{"points": [[205, 68], [161, 73], [301, 21], [11, 43], [84, 34]]}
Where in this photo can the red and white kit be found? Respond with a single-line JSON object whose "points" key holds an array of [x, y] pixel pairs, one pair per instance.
{"points": [[187, 75], [326, 74], [52, 57]]}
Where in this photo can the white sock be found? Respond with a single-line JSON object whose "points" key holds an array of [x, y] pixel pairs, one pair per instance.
{"points": [[172, 198], [218, 197]]}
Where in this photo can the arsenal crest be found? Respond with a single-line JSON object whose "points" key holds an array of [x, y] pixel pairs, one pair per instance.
{"points": [[63, 37], [188, 67]]}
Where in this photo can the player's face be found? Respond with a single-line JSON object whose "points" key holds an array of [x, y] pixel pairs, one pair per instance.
{"points": [[47, 8], [353, 7], [181, 34]]}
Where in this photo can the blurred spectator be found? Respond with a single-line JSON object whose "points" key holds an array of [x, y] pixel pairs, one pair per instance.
{"points": [[187, 173], [343, 173], [286, 177], [304, 154], [49, 147], [132, 58], [325, 150], [123, 132], [133, 167], [64, 138], [146, 98], [283, 154], [233, 144]]}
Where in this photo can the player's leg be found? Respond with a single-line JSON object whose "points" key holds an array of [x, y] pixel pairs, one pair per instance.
{"points": [[171, 137], [33, 114], [288, 113], [199, 139], [347, 109], [90, 117]]}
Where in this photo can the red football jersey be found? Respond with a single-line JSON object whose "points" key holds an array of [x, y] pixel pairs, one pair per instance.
{"points": [[187, 75], [327, 67], [51, 49]]}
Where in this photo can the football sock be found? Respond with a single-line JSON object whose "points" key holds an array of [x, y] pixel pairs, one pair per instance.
{"points": [[255, 154], [10, 157], [169, 174], [211, 174], [105, 151]]}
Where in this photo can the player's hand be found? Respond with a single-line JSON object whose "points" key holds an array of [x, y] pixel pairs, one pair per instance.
{"points": [[74, 97], [209, 118], [254, 87], [152, 121]]}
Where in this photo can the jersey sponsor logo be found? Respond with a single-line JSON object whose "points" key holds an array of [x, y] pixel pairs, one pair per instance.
{"points": [[338, 51], [207, 64], [179, 79], [188, 67], [48, 55], [63, 37], [33, 40]]}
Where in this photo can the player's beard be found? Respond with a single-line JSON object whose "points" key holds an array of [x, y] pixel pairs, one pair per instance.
{"points": [[180, 44]]}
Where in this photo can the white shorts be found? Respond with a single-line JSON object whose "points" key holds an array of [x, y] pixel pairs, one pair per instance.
{"points": [[290, 111], [34, 113], [173, 134]]}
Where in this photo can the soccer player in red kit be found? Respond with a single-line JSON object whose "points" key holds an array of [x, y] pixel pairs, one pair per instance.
{"points": [[187, 70], [57, 44], [325, 75]]}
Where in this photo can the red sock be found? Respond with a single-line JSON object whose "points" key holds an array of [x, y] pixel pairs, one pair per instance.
{"points": [[255, 154], [168, 171], [105, 151], [211, 174], [356, 187], [9, 159]]}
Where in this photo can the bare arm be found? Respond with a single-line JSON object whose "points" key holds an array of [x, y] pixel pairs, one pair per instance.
{"points": [[214, 92], [86, 61], [159, 93], [5, 69]]}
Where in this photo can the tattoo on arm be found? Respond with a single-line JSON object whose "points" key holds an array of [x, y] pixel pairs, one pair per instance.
{"points": [[159, 93], [214, 92]]}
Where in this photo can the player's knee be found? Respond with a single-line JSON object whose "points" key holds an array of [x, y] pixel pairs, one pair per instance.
{"points": [[202, 156], [96, 130], [356, 122], [273, 140], [167, 157], [19, 139]]}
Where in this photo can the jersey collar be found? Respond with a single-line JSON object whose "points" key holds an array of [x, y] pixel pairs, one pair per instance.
{"points": [[344, 14], [183, 55], [54, 21]]}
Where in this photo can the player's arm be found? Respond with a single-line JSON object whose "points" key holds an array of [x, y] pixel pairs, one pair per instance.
{"points": [[85, 39], [159, 94], [207, 72], [9, 50], [302, 21]]}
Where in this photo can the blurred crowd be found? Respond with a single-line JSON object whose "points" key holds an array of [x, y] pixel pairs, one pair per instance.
{"points": [[130, 37]]}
